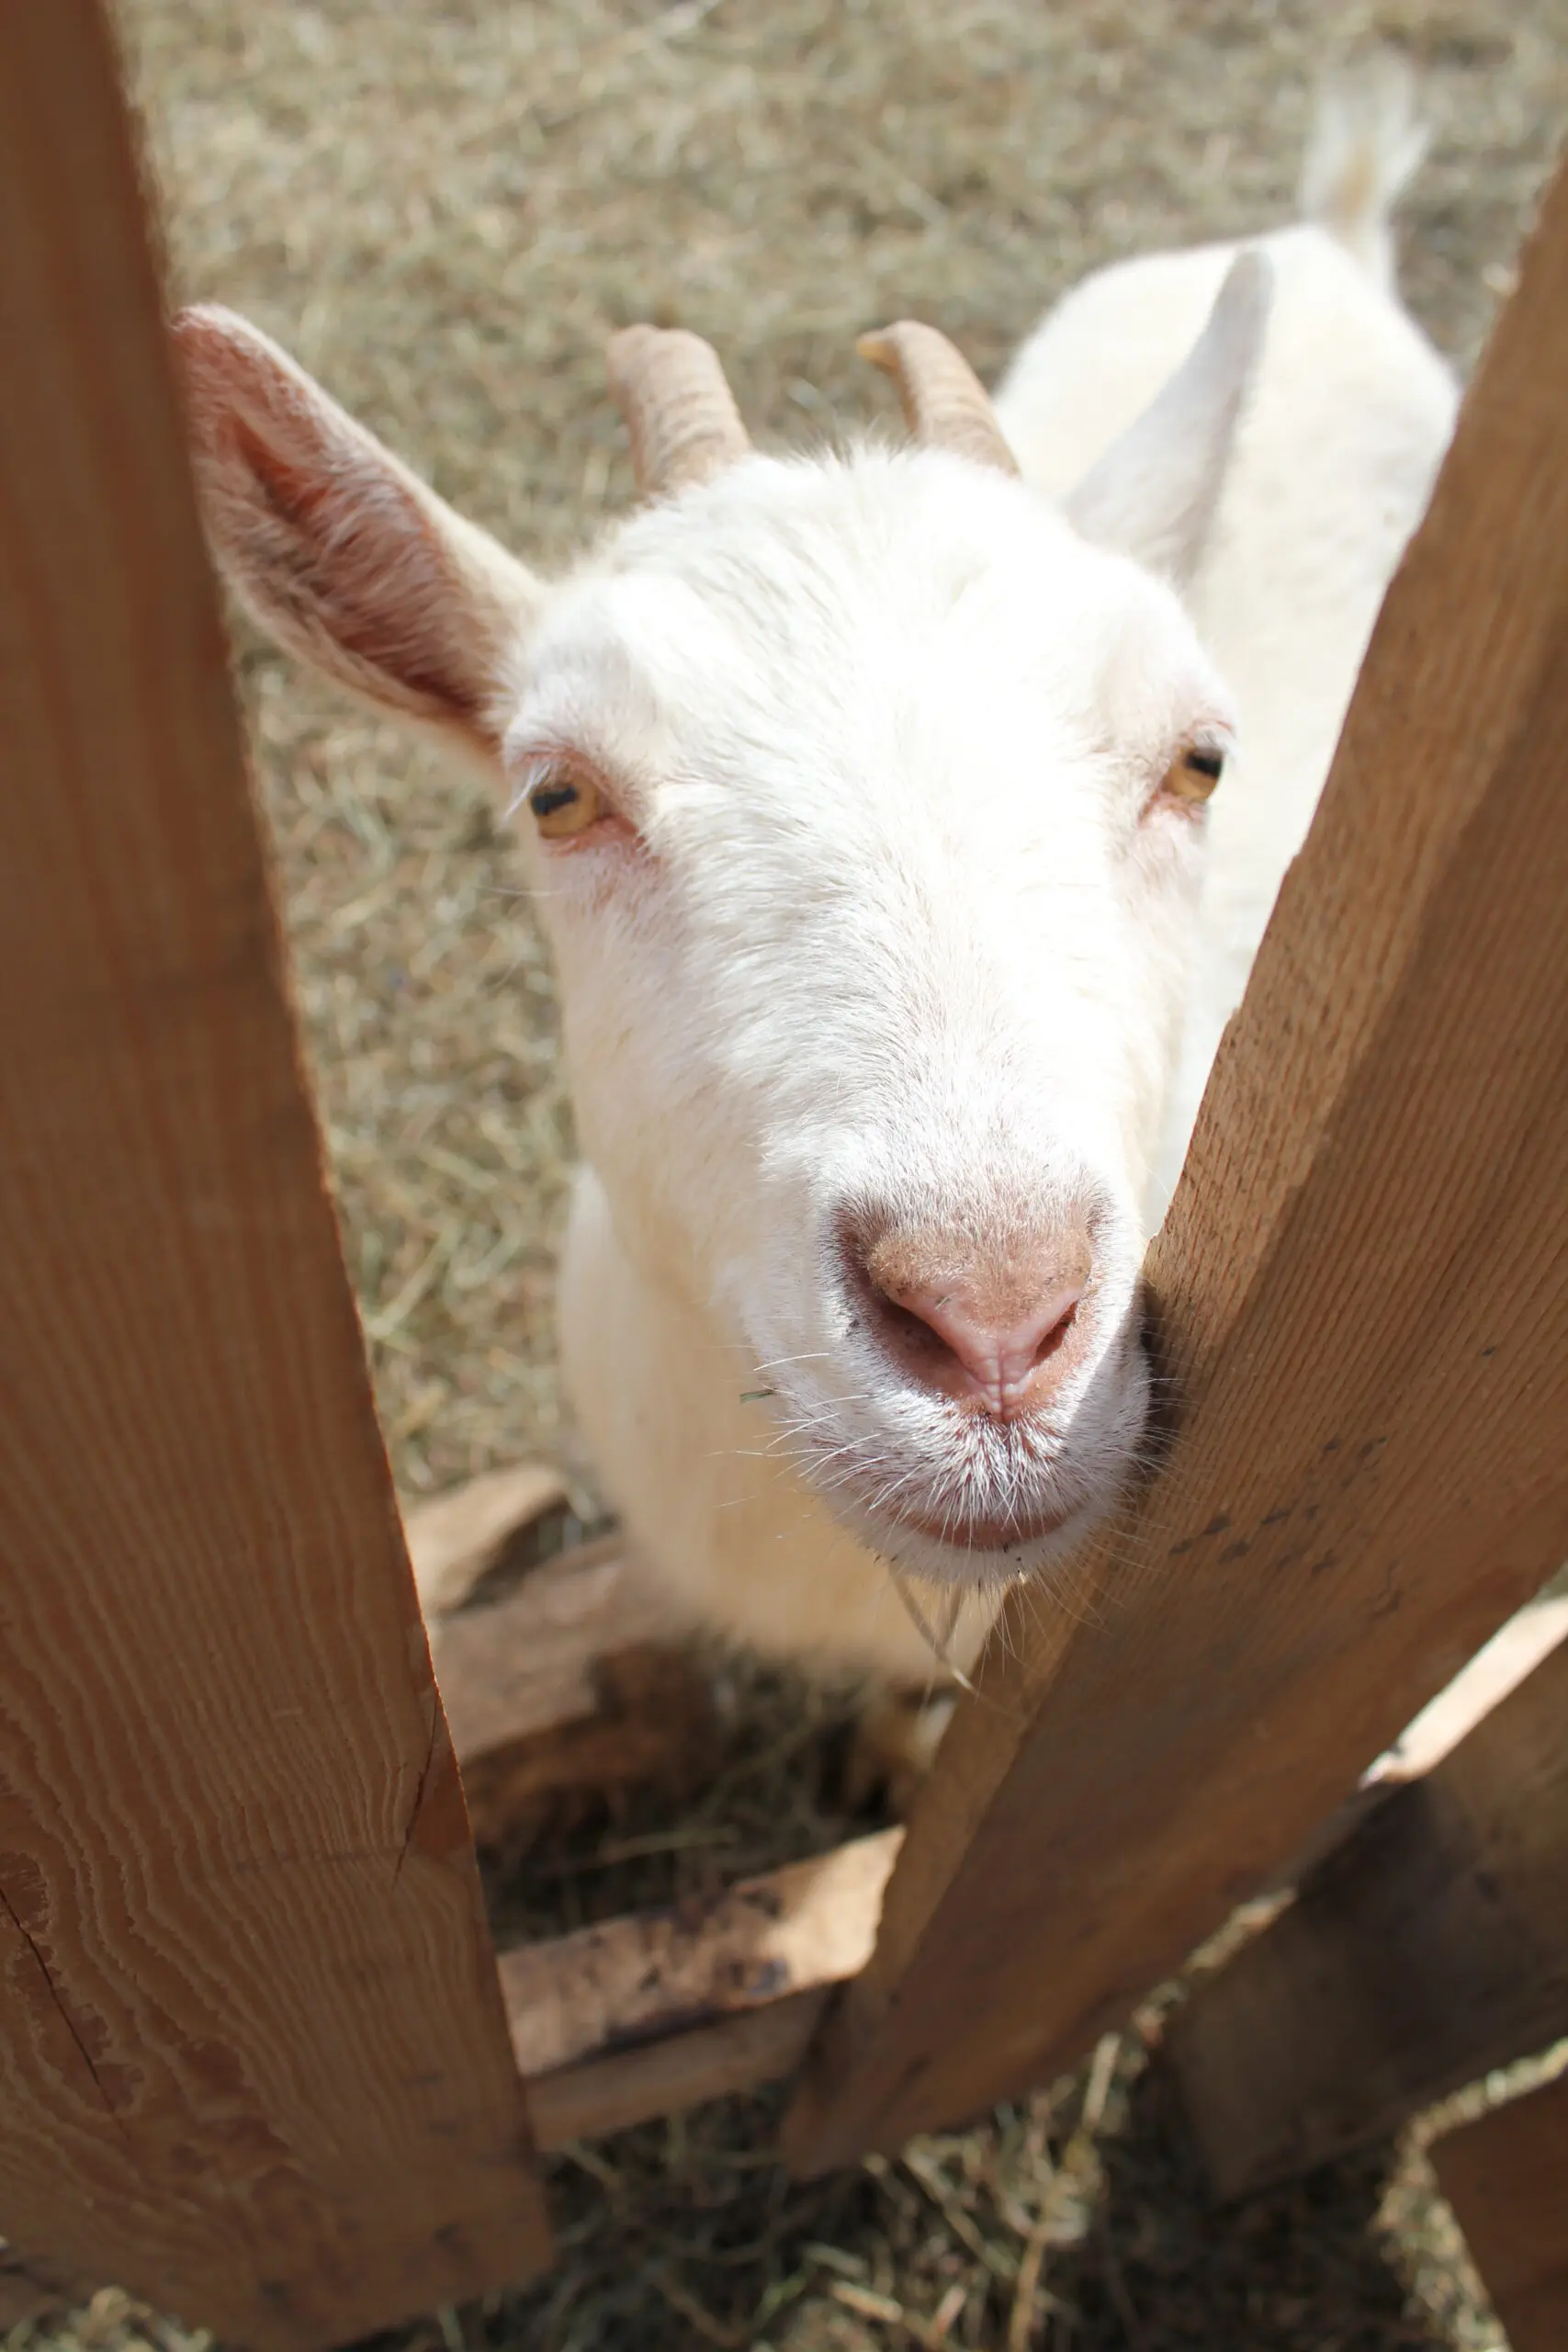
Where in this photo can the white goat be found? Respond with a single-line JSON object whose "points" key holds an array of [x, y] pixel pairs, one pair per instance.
{"points": [[866, 798]]}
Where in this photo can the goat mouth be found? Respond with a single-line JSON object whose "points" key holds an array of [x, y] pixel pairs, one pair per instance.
{"points": [[961, 1532], [990, 1508]]}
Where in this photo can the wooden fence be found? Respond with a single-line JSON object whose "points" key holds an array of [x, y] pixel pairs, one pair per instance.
{"points": [[257, 2059]]}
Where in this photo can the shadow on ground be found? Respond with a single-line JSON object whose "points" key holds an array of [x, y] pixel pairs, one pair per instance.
{"points": [[1033, 2232]]}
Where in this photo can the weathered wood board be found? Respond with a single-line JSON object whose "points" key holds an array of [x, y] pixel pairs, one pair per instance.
{"points": [[253, 2061], [570, 1693], [660, 2011]]}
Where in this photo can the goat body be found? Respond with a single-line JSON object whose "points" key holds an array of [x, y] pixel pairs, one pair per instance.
{"points": [[894, 939], [1346, 418]]}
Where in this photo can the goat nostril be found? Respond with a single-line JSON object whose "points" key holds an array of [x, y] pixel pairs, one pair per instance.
{"points": [[1052, 1340], [962, 1347], [918, 1335]]}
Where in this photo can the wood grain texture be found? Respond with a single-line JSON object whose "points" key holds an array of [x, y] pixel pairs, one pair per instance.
{"points": [[254, 2061], [1432, 1947], [1361, 1297], [1506, 2178], [660, 2011]]}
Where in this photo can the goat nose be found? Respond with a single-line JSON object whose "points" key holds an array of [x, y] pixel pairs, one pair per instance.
{"points": [[998, 1328], [1001, 1359]]}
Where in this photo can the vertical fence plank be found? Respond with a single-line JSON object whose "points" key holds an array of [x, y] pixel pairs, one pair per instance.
{"points": [[1431, 1947], [1363, 1293], [1506, 2178], [253, 2063]]}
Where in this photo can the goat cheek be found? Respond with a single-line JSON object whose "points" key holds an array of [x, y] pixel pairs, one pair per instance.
{"points": [[600, 861]]}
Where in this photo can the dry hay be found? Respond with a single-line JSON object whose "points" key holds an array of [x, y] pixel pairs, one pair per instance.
{"points": [[443, 210]]}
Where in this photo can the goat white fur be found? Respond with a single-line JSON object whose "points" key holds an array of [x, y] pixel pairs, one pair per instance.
{"points": [[889, 927], [1348, 417]]}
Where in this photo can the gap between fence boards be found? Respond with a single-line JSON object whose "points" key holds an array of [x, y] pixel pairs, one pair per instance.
{"points": [[653, 2012]]}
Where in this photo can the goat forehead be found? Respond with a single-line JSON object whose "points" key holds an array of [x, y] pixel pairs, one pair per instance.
{"points": [[904, 620], [822, 563], [918, 527]]}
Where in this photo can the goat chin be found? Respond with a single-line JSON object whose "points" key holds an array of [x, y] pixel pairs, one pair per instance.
{"points": [[981, 1556]]}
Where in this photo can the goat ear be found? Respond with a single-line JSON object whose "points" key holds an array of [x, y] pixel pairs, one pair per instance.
{"points": [[340, 552], [1154, 492]]}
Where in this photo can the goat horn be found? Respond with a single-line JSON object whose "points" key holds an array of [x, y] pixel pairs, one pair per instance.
{"points": [[945, 402], [680, 414]]}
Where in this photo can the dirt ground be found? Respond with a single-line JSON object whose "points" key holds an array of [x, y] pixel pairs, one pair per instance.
{"points": [[444, 209]]}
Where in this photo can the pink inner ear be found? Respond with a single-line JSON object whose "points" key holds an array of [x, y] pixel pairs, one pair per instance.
{"points": [[326, 542], [363, 566]]}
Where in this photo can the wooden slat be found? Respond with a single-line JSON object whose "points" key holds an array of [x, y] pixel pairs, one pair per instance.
{"points": [[254, 2061], [619, 2088], [1432, 1947], [656, 2012], [570, 1692], [573, 1686], [1506, 2178], [1363, 1305], [455, 1539]]}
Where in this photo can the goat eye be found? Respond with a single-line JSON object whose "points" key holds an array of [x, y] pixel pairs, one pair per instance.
{"points": [[563, 802], [1193, 774]]}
